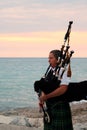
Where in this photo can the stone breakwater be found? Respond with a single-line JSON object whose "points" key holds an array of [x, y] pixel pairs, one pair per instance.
{"points": [[30, 117], [79, 115]]}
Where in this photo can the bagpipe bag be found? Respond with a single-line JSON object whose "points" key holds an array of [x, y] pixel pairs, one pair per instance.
{"points": [[76, 90]]}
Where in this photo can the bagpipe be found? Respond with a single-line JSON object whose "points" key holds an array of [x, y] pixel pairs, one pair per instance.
{"points": [[76, 90]]}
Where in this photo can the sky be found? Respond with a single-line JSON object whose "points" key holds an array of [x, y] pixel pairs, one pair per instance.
{"points": [[32, 28]]}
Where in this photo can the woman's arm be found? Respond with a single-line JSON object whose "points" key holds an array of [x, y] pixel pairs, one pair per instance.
{"points": [[59, 91]]}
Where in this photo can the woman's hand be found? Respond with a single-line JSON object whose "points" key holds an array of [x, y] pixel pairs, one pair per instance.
{"points": [[43, 97], [58, 92]]}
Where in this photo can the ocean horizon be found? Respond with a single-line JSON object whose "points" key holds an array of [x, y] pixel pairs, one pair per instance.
{"points": [[18, 74]]}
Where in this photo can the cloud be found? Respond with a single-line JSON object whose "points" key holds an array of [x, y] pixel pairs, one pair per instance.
{"points": [[34, 27], [39, 44], [37, 15]]}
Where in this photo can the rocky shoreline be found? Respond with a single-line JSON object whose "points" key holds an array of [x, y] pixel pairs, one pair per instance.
{"points": [[31, 118], [79, 115]]}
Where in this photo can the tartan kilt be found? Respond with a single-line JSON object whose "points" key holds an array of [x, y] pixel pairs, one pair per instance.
{"points": [[60, 117]]}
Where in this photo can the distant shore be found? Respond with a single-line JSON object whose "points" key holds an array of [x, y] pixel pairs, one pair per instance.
{"points": [[31, 118]]}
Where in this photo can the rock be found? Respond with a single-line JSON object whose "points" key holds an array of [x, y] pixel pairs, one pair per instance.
{"points": [[20, 121], [29, 122], [6, 119], [80, 126], [36, 122]]}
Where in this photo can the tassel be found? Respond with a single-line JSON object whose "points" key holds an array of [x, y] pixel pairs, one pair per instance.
{"points": [[69, 72]]}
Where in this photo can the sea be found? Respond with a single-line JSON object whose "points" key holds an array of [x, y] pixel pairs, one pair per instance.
{"points": [[17, 77]]}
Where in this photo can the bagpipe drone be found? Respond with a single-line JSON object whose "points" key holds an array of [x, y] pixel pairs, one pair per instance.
{"points": [[76, 90]]}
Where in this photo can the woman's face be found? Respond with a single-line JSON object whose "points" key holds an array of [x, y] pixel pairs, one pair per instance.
{"points": [[52, 60]]}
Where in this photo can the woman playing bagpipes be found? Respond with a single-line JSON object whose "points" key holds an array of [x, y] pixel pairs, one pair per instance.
{"points": [[58, 108], [56, 90]]}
